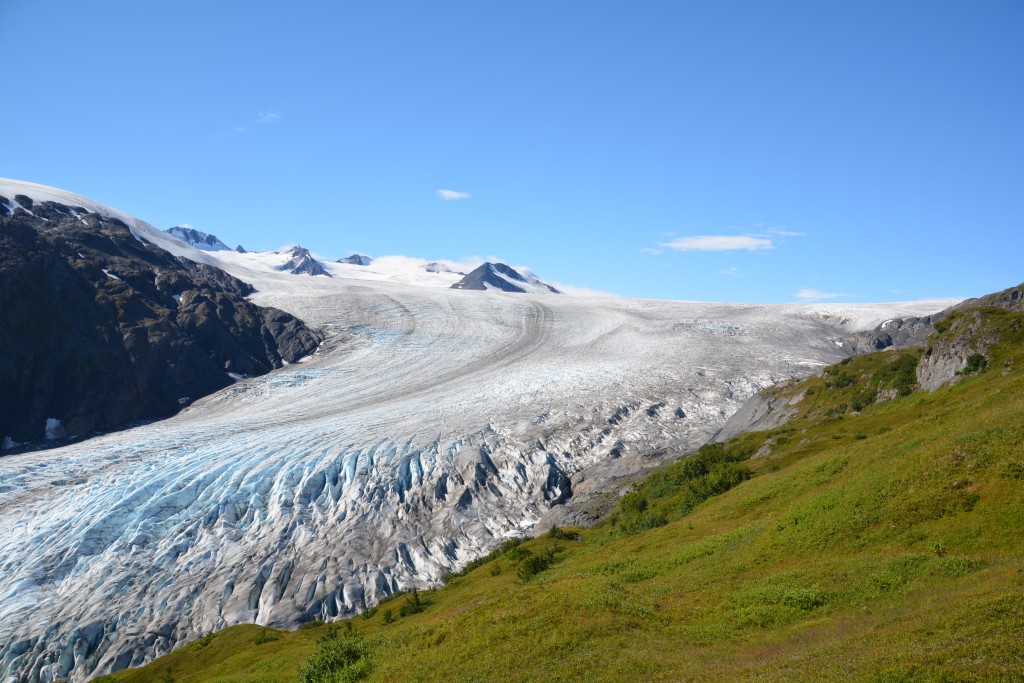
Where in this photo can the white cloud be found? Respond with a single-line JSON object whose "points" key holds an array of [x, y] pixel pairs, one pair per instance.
{"points": [[240, 129], [719, 243], [779, 232], [581, 291], [268, 117], [449, 195], [814, 295], [652, 251], [730, 271]]}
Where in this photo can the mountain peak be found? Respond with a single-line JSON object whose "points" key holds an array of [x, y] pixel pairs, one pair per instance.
{"points": [[356, 259], [197, 238], [303, 263], [503, 278]]}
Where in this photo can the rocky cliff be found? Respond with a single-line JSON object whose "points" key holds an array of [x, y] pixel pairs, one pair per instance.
{"points": [[100, 329]]}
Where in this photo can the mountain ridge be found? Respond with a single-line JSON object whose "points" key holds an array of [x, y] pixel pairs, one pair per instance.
{"points": [[102, 329], [502, 278]]}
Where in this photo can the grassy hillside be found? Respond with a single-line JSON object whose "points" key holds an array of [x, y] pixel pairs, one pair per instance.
{"points": [[879, 536]]}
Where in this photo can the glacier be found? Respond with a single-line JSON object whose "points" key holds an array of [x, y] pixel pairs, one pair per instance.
{"points": [[431, 424]]}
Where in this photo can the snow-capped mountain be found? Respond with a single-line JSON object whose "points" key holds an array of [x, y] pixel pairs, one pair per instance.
{"points": [[100, 328], [301, 262], [502, 278], [356, 260], [430, 425], [437, 267], [197, 239]]}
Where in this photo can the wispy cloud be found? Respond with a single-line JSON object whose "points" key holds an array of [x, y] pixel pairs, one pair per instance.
{"points": [[240, 129], [780, 232], [814, 295], [449, 195], [268, 117], [651, 250], [734, 271], [719, 243]]}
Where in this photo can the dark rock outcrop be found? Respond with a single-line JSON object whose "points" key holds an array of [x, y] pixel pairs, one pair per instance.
{"points": [[501, 277], [1011, 299], [303, 263], [963, 335], [101, 329], [899, 333]]}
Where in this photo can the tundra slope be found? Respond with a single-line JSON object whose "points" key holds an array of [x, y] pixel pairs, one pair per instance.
{"points": [[431, 424]]}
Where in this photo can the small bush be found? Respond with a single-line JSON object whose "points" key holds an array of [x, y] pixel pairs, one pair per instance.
{"points": [[517, 554], [388, 617], [202, 642], [313, 623], [561, 534], [414, 605], [369, 612], [840, 378], [531, 565], [265, 636], [864, 398], [507, 547], [976, 363], [341, 659]]}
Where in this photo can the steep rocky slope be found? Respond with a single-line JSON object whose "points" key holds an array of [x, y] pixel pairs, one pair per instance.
{"points": [[101, 329]]}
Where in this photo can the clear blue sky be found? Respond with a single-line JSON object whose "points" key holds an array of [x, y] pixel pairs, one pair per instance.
{"points": [[596, 140]]}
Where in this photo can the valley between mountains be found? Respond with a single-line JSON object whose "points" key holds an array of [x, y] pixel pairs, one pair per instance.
{"points": [[430, 424]]}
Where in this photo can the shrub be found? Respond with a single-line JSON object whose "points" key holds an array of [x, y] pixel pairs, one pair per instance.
{"points": [[864, 398], [313, 623], [265, 636], [900, 374], [341, 659], [681, 486], [388, 617], [507, 547], [414, 605], [531, 565], [202, 642], [976, 363], [561, 534], [943, 325], [369, 612], [517, 554]]}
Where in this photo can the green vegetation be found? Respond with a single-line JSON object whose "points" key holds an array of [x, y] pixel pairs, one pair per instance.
{"points": [[341, 657], [975, 363], [883, 544], [675, 490]]}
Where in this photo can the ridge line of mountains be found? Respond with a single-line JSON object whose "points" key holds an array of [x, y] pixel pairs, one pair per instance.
{"points": [[486, 276]]}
